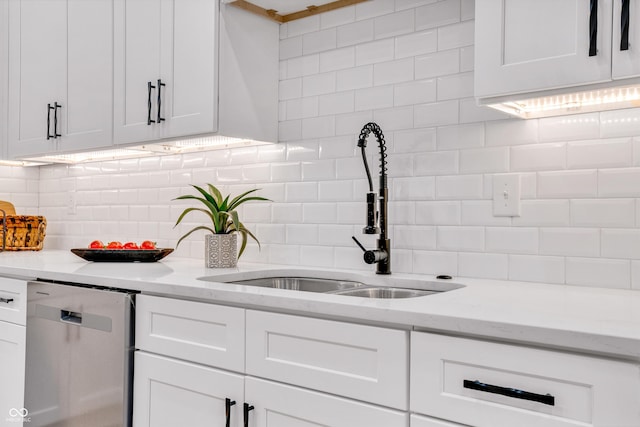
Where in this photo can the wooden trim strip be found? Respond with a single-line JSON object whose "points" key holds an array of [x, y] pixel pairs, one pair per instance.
{"points": [[310, 11]]}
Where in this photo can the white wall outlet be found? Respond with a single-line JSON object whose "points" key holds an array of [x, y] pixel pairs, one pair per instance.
{"points": [[71, 202], [506, 195]]}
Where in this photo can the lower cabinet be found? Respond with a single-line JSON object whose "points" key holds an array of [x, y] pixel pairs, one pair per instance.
{"points": [[420, 421], [170, 392], [190, 369], [13, 338]]}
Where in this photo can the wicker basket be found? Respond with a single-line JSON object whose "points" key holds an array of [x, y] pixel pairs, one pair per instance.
{"points": [[22, 232]]}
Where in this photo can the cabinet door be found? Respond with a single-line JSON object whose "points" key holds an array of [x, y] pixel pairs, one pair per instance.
{"points": [[12, 352], [279, 405], [169, 392], [531, 45], [174, 42], [4, 71], [60, 51], [37, 72], [626, 63]]}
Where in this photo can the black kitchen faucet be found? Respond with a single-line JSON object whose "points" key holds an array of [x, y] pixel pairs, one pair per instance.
{"points": [[376, 220]]}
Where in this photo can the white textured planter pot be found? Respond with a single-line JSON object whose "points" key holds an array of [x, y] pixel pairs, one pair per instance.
{"points": [[221, 250]]}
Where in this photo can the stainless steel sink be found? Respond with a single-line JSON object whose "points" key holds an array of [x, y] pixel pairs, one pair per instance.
{"points": [[384, 292], [306, 284], [341, 287]]}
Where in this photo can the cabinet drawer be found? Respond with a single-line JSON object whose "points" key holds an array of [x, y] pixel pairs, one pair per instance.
{"points": [[364, 362], [485, 384], [199, 332], [279, 405], [13, 301]]}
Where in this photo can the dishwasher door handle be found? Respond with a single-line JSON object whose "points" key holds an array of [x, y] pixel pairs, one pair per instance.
{"points": [[71, 317]]}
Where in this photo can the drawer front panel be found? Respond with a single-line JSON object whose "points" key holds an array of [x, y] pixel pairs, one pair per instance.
{"points": [[13, 301], [487, 384], [363, 362], [204, 333], [419, 421]]}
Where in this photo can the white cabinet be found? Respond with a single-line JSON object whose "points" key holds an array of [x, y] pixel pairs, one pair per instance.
{"points": [[165, 68], [4, 72], [13, 318], [170, 392], [181, 345], [60, 74], [541, 47], [485, 384], [279, 405], [532, 45], [420, 421]]}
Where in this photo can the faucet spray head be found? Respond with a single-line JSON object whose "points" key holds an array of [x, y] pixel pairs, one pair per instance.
{"points": [[372, 215]]}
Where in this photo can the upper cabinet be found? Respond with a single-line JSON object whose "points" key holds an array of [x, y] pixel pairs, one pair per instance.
{"points": [[165, 77], [533, 48], [60, 75], [4, 71], [91, 74]]}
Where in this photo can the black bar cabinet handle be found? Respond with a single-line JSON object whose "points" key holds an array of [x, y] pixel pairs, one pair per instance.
{"points": [[55, 119], [160, 84], [593, 28], [247, 408], [49, 108], [624, 25], [228, 403], [149, 87], [546, 399], [6, 300]]}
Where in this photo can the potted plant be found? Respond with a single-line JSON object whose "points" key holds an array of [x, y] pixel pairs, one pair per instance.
{"points": [[221, 244]]}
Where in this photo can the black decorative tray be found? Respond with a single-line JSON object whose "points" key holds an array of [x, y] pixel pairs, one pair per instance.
{"points": [[122, 255]]}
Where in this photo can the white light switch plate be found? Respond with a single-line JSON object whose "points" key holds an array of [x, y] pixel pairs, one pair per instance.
{"points": [[506, 195]]}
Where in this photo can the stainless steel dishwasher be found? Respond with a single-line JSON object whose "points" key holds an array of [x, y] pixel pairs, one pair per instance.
{"points": [[79, 357]]}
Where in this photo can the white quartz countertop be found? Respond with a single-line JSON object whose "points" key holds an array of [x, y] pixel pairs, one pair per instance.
{"points": [[596, 320]]}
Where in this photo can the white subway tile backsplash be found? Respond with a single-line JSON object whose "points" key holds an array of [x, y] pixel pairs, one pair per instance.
{"points": [[416, 44], [511, 132], [341, 16], [438, 14], [484, 160], [301, 192], [460, 187], [600, 153], [438, 213], [373, 98], [435, 263], [435, 114], [455, 86], [355, 33], [305, 25], [414, 140], [414, 92], [410, 4], [603, 213], [302, 66], [317, 256], [621, 243], [302, 234], [394, 24], [371, 9], [460, 136], [270, 233], [286, 172], [335, 191], [610, 273], [544, 213], [567, 128], [512, 240], [467, 9], [471, 112], [567, 184], [336, 103], [351, 213], [532, 268], [570, 241], [318, 127], [319, 213], [290, 47], [488, 266], [398, 71], [355, 78], [396, 118], [620, 123], [414, 237], [319, 41], [436, 163], [401, 213], [319, 84], [373, 52], [399, 165], [290, 89], [619, 182], [337, 59], [551, 156], [414, 188], [460, 238], [480, 212], [283, 254], [456, 35], [319, 170], [437, 64]]}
